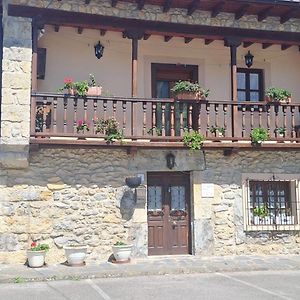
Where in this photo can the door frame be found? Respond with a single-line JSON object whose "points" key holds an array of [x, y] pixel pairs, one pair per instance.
{"points": [[156, 66], [186, 174]]}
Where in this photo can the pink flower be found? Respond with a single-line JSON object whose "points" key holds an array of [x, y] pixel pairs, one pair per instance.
{"points": [[80, 122], [33, 244], [68, 80]]}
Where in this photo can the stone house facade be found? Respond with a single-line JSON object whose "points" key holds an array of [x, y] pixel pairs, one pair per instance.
{"points": [[59, 185]]}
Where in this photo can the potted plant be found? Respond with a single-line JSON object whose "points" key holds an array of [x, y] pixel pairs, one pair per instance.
{"points": [[110, 128], [36, 254], [69, 86], [258, 135], [82, 126], [280, 131], [94, 89], [186, 90], [278, 95], [218, 131], [75, 254], [122, 251], [193, 139], [260, 214]]}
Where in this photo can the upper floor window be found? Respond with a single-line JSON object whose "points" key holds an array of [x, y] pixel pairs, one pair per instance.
{"points": [[250, 85]]}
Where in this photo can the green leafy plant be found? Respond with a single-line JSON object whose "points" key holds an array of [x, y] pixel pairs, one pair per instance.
{"points": [[110, 128], [258, 135], [38, 247], [120, 243], [82, 126], [193, 139], [189, 87], [92, 80], [278, 95], [81, 88], [280, 130], [19, 279], [155, 130], [261, 211], [214, 129]]}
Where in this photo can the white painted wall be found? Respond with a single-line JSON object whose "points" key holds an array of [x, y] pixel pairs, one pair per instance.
{"points": [[72, 54]]}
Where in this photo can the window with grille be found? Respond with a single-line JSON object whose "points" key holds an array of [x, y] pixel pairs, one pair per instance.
{"points": [[272, 204]]}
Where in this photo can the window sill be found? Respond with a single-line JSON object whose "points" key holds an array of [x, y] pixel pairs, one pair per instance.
{"points": [[272, 228]]}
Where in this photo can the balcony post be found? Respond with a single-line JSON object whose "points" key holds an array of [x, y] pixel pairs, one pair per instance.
{"points": [[135, 35], [233, 43], [34, 55]]}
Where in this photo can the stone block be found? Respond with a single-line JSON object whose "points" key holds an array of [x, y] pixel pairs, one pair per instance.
{"points": [[56, 186], [8, 242]]}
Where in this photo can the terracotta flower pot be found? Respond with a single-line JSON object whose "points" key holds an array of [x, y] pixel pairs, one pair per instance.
{"points": [[94, 91], [190, 96]]}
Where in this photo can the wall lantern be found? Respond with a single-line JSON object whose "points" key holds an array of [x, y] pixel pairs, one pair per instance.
{"points": [[170, 158], [99, 50], [249, 59]]}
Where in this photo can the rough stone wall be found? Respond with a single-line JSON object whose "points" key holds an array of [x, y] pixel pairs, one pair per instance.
{"points": [[175, 15], [16, 79], [16, 89], [219, 226], [78, 195]]}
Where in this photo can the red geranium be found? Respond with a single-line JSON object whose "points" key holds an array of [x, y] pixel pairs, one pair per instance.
{"points": [[33, 244]]}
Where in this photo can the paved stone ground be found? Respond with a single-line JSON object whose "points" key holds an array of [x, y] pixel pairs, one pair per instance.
{"points": [[151, 266]]}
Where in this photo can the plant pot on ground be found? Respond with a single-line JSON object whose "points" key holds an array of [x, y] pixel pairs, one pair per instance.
{"points": [[122, 252], [186, 90], [36, 255], [75, 254]]}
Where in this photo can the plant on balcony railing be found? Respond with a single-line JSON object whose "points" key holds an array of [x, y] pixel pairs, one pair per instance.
{"points": [[278, 95], [280, 131], [219, 131], [82, 126], [259, 135], [193, 139], [82, 88], [188, 90], [109, 127]]}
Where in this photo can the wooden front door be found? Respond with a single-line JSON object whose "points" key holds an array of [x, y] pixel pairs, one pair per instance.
{"points": [[168, 213]]}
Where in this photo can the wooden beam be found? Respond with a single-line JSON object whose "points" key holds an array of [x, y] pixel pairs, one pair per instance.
{"points": [[266, 45], [85, 20], [167, 5], [247, 44], [262, 15], [114, 3], [217, 9], [208, 41], [287, 16], [192, 7], [140, 4], [242, 11], [146, 36], [56, 28], [187, 40], [103, 32], [233, 43], [167, 38], [284, 47]]}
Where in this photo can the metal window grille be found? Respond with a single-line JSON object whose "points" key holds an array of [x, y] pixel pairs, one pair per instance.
{"points": [[272, 204]]}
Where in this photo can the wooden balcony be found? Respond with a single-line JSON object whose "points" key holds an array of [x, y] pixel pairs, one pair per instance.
{"points": [[160, 122]]}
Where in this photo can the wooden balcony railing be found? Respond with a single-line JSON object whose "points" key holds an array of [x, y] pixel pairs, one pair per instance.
{"points": [[57, 116]]}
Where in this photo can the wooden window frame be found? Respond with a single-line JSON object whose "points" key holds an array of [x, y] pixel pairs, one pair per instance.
{"points": [[247, 89]]}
